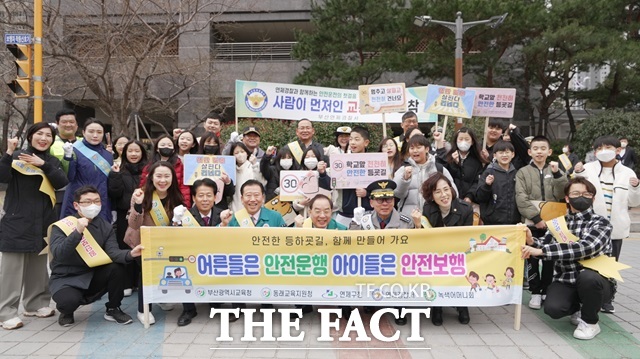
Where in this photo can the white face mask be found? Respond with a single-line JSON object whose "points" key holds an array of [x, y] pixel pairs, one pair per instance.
{"points": [[91, 211], [623, 144], [606, 155], [565, 150], [241, 157], [311, 163], [286, 163], [464, 146]]}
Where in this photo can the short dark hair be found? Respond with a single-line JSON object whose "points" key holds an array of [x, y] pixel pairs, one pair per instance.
{"points": [[496, 122], [37, 127], [579, 180], [241, 145], [91, 121], [409, 114], [606, 141], [206, 137], [84, 190], [431, 183], [252, 182], [208, 182], [363, 131], [125, 160], [418, 140], [320, 196], [214, 115], [195, 147], [503, 146], [540, 138], [624, 138], [63, 112], [570, 147]]}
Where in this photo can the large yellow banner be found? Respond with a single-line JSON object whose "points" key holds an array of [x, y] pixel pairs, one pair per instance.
{"points": [[455, 266]]}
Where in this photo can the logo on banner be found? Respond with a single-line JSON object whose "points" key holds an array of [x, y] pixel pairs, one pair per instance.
{"points": [[256, 100]]}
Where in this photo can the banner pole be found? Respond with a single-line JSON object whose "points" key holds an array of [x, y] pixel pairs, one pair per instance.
{"points": [[444, 128], [384, 126], [486, 128], [518, 317]]}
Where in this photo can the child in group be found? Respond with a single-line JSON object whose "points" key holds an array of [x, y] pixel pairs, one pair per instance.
{"points": [[535, 182], [358, 142], [617, 190], [497, 188]]}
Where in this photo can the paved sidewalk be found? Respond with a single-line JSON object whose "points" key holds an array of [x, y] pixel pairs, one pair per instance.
{"points": [[489, 335]]}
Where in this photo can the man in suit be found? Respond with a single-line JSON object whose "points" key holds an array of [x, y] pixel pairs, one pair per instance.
{"points": [[627, 154], [203, 194]]}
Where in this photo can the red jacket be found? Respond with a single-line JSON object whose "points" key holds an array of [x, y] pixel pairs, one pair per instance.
{"points": [[179, 168]]}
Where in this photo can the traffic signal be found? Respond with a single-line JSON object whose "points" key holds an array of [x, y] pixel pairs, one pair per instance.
{"points": [[21, 85]]}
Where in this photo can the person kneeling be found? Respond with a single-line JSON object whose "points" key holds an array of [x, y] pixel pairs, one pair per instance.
{"points": [[87, 261], [576, 290]]}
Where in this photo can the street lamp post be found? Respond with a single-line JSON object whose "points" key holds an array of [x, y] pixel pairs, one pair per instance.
{"points": [[459, 28]]}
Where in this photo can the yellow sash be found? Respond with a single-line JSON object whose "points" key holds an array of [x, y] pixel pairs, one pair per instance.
{"points": [[158, 214], [188, 220], [425, 222], [30, 170], [296, 151], [560, 231], [566, 163], [88, 249], [307, 223], [244, 219], [398, 142]]}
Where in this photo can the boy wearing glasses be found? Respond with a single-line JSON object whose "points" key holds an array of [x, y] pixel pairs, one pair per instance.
{"points": [[616, 190], [537, 182], [576, 290]]}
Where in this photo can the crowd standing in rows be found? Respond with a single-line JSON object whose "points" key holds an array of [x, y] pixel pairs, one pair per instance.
{"points": [[93, 189]]}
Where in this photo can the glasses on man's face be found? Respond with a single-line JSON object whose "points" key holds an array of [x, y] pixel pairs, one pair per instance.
{"points": [[88, 202], [575, 194], [384, 200]]}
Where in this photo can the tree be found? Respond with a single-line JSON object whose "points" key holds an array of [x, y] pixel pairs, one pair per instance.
{"points": [[354, 42], [119, 54]]}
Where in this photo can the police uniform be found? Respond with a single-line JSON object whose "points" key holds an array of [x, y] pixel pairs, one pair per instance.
{"points": [[370, 220]]}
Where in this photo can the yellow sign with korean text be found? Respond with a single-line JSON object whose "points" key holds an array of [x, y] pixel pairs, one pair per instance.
{"points": [[454, 266]]}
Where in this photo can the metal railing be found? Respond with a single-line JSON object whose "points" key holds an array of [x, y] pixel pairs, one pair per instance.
{"points": [[253, 51]]}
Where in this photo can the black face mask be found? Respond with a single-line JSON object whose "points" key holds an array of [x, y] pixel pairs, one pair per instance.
{"points": [[165, 152], [580, 203], [211, 150]]}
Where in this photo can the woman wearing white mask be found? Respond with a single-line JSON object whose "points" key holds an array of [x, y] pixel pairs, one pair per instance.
{"points": [[463, 161], [270, 166], [28, 213], [312, 161], [246, 168]]}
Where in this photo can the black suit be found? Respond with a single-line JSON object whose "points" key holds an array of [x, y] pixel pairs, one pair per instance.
{"points": [[630, 159], [213, 221]]}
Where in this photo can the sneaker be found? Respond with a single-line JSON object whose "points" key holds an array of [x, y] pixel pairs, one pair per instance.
{"points": [[152, 319], [66, 320], [536, 301], [45, 312], [166, 306], [608, 308], [13, 323], [576, 318], [118, 316], [586, 331], [128, 292]]}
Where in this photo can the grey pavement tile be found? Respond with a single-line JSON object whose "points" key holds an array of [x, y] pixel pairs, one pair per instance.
{"points": [[198, 351], [565, 351], [462, 339], [496, 340], [542, 352], [170, 350], [141, 349], [485, 328], [445, 352], [551, 338], [480, 352], [23, 349], [53, 349], [6, 345], [322, 354], [228, 353], [44, 336], [70, 337], [78, 349], [539, 327], [18, 335], [457, 328], [511, 352], [180, 338], [525, 340], [435, 340], [263, 353], [291, 353]]}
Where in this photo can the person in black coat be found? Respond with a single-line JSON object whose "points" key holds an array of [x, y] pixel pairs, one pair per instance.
{"points": [[123, 180], [463, 161], [443, 209], [29, 210], [627, 154], [75, 282], [203, 193]]}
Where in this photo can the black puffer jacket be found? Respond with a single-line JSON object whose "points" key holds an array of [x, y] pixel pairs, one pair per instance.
{"points": [[498, 201], [28, 212], [460, 214]]}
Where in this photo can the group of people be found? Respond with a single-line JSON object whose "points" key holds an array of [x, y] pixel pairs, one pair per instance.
{"points": [[101, 192]]}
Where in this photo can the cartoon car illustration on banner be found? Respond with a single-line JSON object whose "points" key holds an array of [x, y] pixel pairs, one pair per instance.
{"points": [[175, 278]]}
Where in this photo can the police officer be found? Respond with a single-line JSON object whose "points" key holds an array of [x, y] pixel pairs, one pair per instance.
{"points": [[383, 216]]}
